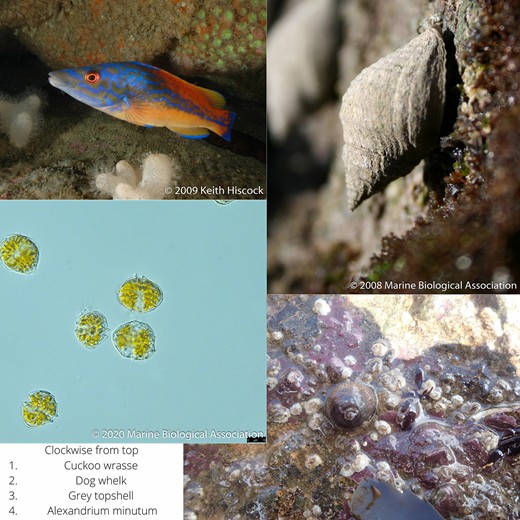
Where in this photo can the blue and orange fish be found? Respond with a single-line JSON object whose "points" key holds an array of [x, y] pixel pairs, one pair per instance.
{"points": [[147, 96]]}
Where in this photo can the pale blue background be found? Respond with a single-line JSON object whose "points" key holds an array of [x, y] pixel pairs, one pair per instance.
{"points": [[209, 367]]}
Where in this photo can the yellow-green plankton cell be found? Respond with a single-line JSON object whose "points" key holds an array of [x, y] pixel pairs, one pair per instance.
{"points": [[140, 294], [19, 253], [91, 329], [40, 408], [134, 340]]}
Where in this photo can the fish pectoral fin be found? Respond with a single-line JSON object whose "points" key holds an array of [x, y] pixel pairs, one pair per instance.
{"points": [[215, 99], [136, 115], [138, 112], [190, 133]]}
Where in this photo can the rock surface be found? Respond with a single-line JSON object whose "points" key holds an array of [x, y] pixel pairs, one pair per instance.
{"points": [[445, 371]]}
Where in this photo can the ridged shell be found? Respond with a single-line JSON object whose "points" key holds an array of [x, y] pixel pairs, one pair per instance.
{"points": [[391, 115], [350, 404]]}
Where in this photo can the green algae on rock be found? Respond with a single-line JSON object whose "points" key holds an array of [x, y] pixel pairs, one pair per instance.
{"points": [[224, 36]]}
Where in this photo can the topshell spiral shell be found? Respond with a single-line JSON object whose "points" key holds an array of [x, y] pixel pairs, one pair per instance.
{"points": [[391, 115]]}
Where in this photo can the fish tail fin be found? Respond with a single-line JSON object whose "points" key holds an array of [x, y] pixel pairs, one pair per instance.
{"points": [[225, 127]]}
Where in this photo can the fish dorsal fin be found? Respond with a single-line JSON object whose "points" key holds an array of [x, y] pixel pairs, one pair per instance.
{"points": [[215, 99]]}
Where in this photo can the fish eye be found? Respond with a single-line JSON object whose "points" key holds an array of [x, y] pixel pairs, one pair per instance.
{"points": [[91, 76]]}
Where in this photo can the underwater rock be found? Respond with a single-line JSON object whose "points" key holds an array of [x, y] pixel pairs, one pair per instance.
{"points": [[73, 33]]}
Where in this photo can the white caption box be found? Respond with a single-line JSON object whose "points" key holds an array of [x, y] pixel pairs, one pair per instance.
{"points": [[88, 480]]}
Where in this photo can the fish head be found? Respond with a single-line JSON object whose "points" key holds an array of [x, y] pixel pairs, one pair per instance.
{"points": [[101, 86]]}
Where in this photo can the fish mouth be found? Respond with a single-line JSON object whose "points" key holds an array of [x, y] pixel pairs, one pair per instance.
{"points": [[57, 80]]}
